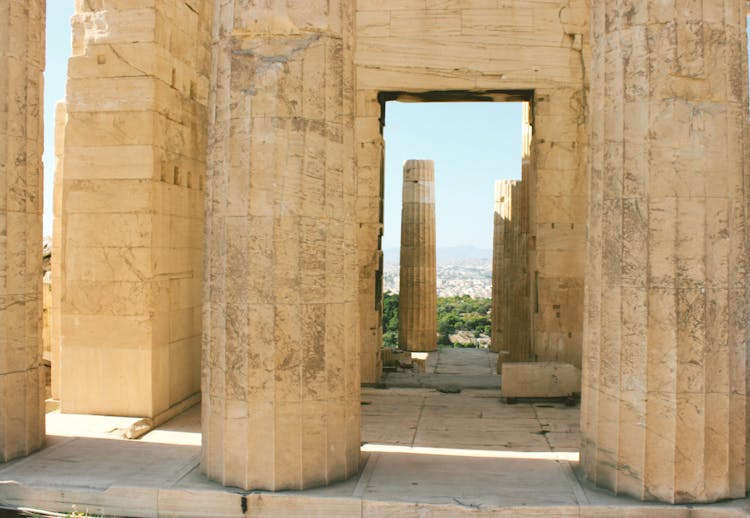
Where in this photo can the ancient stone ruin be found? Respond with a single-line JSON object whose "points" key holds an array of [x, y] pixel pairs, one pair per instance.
{"points": [[218, 219], [417, 309]]}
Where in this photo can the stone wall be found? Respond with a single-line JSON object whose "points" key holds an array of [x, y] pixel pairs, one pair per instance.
{"points": [[21, 178], [132, 215], [369, 160], [557, 198]]}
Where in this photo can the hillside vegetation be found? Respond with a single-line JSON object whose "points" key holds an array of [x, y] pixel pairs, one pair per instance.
{"points": [[460, 315]]}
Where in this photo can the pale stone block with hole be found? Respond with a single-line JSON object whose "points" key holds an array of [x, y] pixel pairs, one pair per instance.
{"points": [[540, 379]]}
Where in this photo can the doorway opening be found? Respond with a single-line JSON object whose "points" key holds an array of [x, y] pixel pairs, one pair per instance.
{"points": [[473, 145], [448, 414]]}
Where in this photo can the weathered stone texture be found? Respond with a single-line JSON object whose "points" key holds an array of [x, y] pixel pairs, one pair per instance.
{"points": [[516, 300], [501, 216], [58, 233], [417, 308], [281, 330], [21, 142], [664, 409], [555, 174], [540, 380], [369, 156], [511, 335], [133, 201], [418, 45]]}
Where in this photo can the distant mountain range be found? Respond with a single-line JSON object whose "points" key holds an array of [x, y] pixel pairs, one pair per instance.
{"points": [[446, 255]]}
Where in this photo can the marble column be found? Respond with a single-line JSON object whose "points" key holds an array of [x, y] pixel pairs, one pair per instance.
{"points": [[664, 369], [417, 310], [21, 144], [517, 301], [281, 373], [501, 271]]}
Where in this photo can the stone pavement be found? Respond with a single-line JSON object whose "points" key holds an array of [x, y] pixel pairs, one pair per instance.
{"points": [[425, 453], [462, 368]]}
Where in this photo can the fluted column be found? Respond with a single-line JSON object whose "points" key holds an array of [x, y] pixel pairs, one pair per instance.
{"points": [[498, 239], [417, 310], [500, 270], [516, 283], [21, 143], [664, 371], [281, 335]]}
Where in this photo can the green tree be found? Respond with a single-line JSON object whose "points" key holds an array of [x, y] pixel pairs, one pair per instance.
{"points": [[390, 319], [463, 313], [458, 313]]}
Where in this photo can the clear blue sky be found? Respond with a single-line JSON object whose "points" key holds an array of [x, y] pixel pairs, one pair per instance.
{"points": [[472, 144], [58, 52]]}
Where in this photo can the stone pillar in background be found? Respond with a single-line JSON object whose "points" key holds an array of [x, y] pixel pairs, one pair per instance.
{"points": [[500, 267], [517, 301], [281, 373], [21, 179], [58, 281], [664, 371], [417, 310]]}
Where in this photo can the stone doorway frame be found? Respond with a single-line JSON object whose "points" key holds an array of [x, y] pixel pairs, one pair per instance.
{"points": [[370, 158]]}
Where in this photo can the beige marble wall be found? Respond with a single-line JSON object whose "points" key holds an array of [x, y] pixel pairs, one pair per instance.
{"points": [[555, 172], [664, 373], [417, 308], [281, 330], [132, 206], [21, 178]]}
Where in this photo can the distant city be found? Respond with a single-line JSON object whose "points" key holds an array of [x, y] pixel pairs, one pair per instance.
{"points": [[461, 270]]}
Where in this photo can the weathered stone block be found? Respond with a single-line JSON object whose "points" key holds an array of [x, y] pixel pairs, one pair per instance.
{"points": [[540, 379]]}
